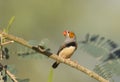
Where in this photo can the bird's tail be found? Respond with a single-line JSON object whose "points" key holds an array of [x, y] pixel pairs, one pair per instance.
{"points": [[55, 64]]}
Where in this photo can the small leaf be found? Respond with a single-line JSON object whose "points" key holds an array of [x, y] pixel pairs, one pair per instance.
{"points": [[23, 80], [9, 24], [50, 77]]}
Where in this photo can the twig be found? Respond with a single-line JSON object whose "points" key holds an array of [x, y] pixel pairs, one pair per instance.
{"points": [[55, 57], [11, 76], [5, 43]]}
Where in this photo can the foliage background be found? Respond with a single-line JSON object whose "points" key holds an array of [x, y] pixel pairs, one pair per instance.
{"points": [[40, 19]]}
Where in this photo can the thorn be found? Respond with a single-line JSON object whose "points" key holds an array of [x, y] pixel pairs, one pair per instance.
{"points": [[8, 42]]}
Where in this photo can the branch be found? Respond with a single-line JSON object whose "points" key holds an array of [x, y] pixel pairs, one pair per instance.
{"points": [[55, 57]]}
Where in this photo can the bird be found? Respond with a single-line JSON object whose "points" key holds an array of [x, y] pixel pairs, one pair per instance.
{"points": [[68, 47]]}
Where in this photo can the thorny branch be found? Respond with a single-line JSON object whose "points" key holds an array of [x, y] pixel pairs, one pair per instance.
{"points": [[55, 57]]}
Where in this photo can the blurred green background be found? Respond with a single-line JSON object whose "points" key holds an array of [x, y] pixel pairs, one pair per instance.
{"points": [[41, 19]]}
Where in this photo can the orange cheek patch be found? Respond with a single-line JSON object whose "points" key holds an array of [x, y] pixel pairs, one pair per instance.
{"points": [[71, 34]]}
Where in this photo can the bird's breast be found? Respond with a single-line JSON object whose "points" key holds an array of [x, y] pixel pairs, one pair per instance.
{"points": [[67, 52]]}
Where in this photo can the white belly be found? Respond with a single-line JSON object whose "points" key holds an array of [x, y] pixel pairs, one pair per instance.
{"points": [[67, 52]]}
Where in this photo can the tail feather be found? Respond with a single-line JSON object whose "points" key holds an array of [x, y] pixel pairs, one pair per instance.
{"points": [[55, 65]]}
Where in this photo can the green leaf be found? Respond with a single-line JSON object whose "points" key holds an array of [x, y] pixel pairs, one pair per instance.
{"points": [[9, 24], [50, 77]]}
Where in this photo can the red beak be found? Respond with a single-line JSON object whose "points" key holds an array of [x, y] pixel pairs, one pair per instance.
{"points": [[64, 33]]}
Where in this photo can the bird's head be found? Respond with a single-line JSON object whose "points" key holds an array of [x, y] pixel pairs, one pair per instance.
{"points": [[69, 35]]}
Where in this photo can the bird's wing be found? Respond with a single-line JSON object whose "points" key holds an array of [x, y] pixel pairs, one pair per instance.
{"points": [[61, 48]]}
